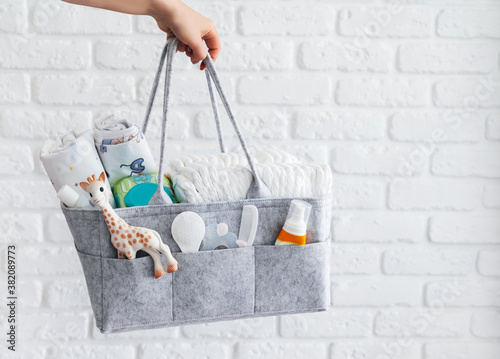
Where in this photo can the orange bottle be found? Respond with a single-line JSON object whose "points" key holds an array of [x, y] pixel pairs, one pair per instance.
{"points": [[295, 227]]}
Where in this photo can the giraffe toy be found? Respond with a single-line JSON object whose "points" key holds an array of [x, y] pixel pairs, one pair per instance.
{"points": [[125, 238]]}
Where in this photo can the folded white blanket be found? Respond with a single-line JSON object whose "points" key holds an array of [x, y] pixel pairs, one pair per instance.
{"points": [[70, 160], [123, 149]]}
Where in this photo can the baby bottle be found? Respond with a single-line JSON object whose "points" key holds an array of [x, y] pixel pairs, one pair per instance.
{"points": [[294, 230]]}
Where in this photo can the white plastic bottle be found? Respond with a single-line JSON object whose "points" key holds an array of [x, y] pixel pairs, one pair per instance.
{"points": [[295, 227], [71, 198]]}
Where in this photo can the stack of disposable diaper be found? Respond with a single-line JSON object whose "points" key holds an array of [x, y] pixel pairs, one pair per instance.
{"points": [[227, 176]]}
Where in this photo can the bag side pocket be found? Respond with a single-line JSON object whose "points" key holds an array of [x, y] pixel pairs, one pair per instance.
{"points": [[292, 278]]}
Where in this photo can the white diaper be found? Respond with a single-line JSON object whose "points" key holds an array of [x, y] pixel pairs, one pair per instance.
{"points": [[227, 176]]}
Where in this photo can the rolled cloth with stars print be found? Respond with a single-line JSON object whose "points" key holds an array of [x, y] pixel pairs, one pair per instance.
{"points": [[123, 149], [69, 160]]}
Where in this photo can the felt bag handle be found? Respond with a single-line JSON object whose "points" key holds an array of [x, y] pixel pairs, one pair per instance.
{"points": [[216, 112], [257, 188], [212, 100]]}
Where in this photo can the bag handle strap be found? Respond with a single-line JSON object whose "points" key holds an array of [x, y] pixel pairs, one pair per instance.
{"points": [[216, 112], [152, 95], [210, 90], [257, 188]]}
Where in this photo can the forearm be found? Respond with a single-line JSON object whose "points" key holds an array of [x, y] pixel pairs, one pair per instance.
{"points": [[194, 31], [135, 7]]}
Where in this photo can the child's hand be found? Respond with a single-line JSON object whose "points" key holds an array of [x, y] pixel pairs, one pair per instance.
{"points": [[173, 17], [190, 27]]}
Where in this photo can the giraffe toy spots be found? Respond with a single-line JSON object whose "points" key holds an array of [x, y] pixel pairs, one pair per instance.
{"points": [[125, 238]]}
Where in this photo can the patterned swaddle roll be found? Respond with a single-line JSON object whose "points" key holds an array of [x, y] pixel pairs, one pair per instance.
{"points": [[68, 161], [123, 149]]}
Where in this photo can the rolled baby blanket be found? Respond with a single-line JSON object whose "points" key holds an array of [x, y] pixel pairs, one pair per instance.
{"points": [[123, 149], [69, 160]]}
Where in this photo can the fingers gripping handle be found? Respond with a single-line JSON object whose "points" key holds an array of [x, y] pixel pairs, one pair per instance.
{"points": [[257, 189]]}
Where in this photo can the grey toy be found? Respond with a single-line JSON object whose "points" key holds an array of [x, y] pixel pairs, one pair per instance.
{"points": [[217, 236]]}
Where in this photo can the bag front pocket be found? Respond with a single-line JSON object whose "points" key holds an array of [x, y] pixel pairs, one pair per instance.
{"points": [[292, 278], [93, 277], [132, 297], [214, 284]]}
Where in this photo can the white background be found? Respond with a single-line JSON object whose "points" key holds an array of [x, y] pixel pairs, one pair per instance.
{"points": [[400, 98]]}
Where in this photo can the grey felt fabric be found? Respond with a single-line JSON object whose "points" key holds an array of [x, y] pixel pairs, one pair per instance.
{"points": [[160, 197], [91, 234], [132, 295], [291, 278], [214, 284], [216, 112], [208, 286], [92, 270], [211, 285]]}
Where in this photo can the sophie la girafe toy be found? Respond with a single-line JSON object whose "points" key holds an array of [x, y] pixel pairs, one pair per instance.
{"points": [[125, 238]]}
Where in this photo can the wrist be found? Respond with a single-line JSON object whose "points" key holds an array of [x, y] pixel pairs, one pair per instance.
{"points": [[161, 8]]}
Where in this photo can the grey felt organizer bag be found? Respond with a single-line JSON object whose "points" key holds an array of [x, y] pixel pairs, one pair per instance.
{"points": [[253, 281]]}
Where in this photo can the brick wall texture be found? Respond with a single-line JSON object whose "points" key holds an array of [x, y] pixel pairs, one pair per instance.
{"points": [[400, 97]]}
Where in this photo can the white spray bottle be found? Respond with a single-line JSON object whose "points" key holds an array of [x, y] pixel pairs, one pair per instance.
{"points": [[295, 228]]}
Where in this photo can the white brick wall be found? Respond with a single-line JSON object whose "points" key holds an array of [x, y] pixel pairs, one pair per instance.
{"points": [[401, 98]]}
